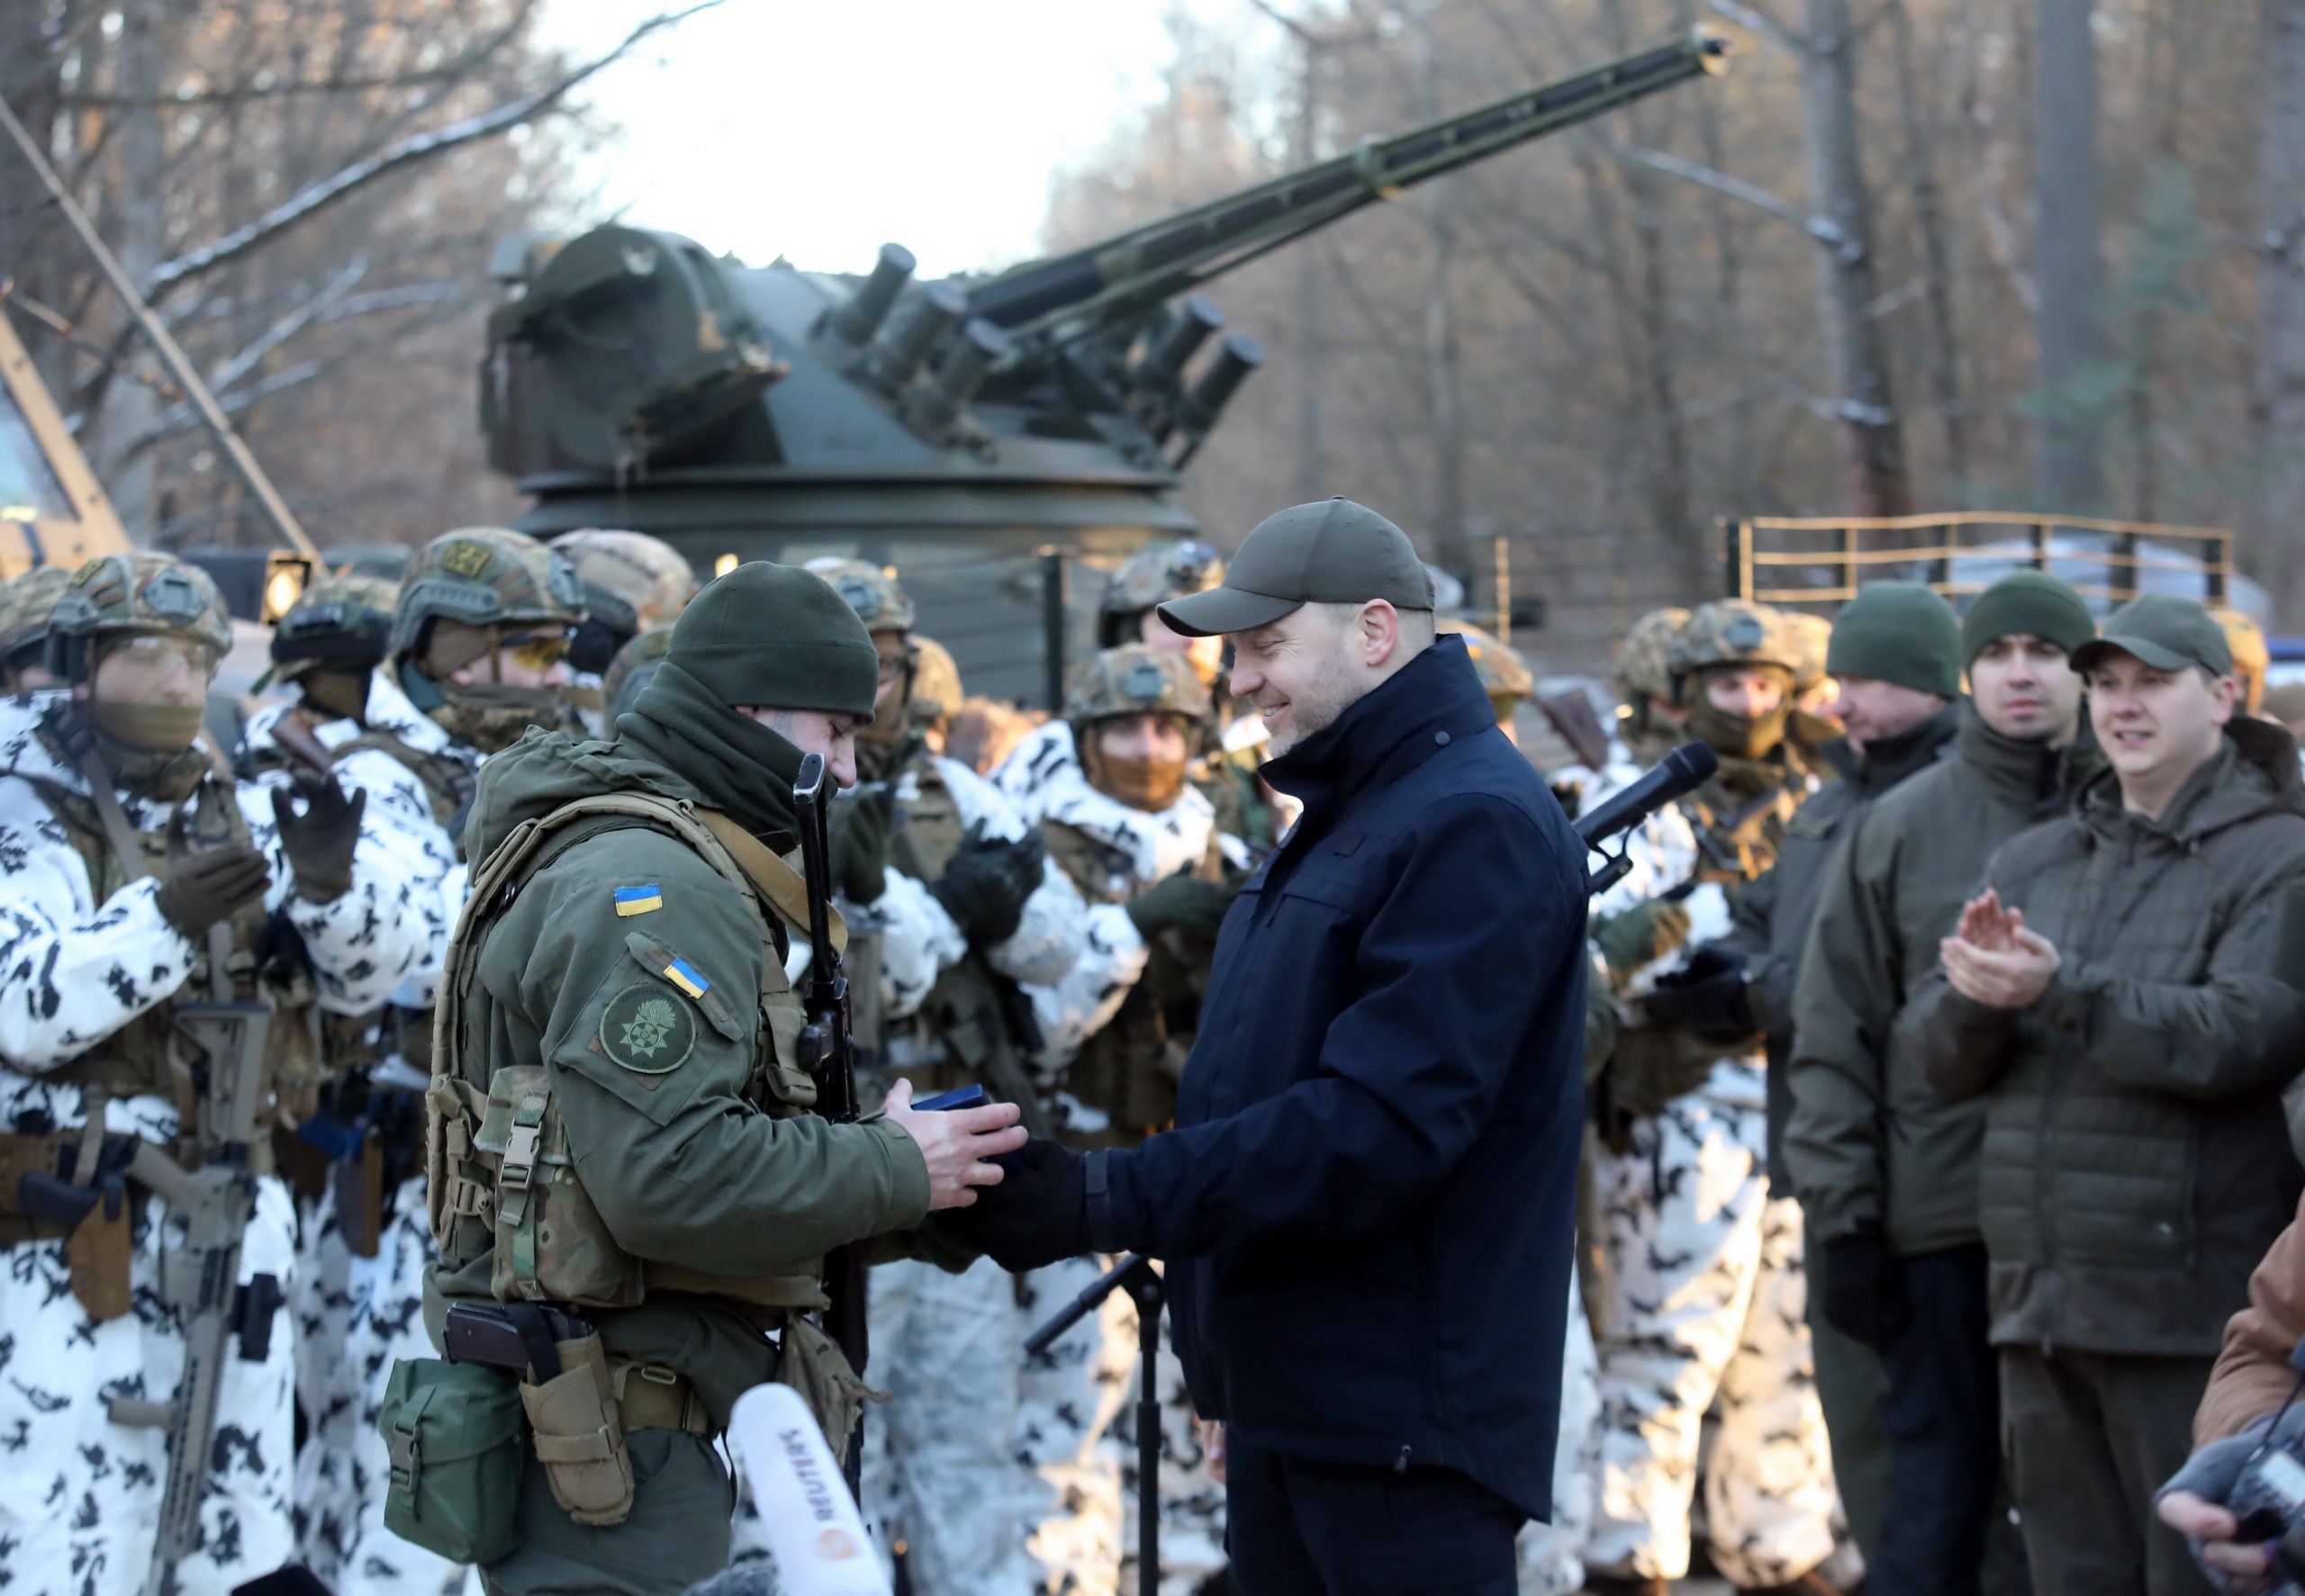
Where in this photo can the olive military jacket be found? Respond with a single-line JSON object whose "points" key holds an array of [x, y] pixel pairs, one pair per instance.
{"points": [[2136, 1161], [1872, 1146], [632, 970]]}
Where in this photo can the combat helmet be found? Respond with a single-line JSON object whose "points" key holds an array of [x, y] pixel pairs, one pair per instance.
{"points": [[1152, 575], [142, 593], [2251, 656], [1641, 666], [1503, 675], [871, 591], [1135, 679], [1808, 635], [646, 572], [1731, 632], [343, 623], [485, 576], [936, 683], [26, 604]]}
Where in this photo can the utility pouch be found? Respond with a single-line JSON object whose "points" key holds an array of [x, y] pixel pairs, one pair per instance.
{"points": [[360, 1184], [452, 1436], [579, 1436]]}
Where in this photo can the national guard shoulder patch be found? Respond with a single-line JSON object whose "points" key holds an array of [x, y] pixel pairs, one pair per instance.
{"points": [[638, 900], [645, 1031]]}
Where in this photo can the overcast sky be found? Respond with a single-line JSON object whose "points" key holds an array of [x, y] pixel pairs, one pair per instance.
{"points": [[822, 128]]}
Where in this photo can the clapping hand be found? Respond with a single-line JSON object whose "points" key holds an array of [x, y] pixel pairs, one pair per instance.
{"points": [[1995, 957]]}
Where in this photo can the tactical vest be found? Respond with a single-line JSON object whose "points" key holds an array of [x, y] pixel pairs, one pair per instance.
{"points": [[1740, 817], [967, 1030], [245, 959], [1129, 1070], [448, 781], [500, 1173]]}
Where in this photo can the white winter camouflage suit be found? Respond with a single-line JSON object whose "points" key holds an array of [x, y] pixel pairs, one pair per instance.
{"points": [[1707, 1319], [1075, 1393], [79, 1495], [940, 1476], [357, 1316]]}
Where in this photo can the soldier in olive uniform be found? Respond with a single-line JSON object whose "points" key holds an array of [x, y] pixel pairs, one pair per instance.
{"points": [[478, 629], [25, 605], [138, 887], [948, 893], [621, 1125], [1707, 1308], [1143, 844]]}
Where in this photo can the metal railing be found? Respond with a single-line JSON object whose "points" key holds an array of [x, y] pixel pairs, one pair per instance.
{"points": [[1822, 560]]}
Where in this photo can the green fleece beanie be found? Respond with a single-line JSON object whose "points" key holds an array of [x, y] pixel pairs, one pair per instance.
{"points": [[2032, 603], [1900, 632], [779, 637]]}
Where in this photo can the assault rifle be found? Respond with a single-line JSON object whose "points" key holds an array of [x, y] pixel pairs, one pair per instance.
{"points": [[829, 1053], [201, 1280]]}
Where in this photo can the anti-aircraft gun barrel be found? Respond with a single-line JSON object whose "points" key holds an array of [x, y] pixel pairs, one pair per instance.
{"points": [[1130, 273]]}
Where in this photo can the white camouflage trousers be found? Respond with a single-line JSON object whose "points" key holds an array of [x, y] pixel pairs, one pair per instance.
{"points": [[1708, 1318], [1551, 1556], [1068, 1398], [354, 1316], [80, 1495]]}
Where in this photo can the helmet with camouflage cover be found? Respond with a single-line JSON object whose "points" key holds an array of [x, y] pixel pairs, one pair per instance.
{"points": [[339, 622], [25, 606], [646, 572], [1504, 676], [1135, 679], [870, 591], [485, 576], [935, 682], [1153, 574], [1641, 664], [1808, 635], [2252, 658], [142, 593], [1731, 632]]}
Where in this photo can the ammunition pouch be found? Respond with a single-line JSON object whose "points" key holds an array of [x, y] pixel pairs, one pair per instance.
{"points": [[39, 1200], [452, 1435]]}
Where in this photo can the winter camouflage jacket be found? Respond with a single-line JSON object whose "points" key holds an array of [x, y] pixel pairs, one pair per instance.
{"points": [[2136, 1161], [1872, 1146]]}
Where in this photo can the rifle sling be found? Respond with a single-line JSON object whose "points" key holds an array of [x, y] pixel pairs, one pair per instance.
{"points": [[776, 881]]}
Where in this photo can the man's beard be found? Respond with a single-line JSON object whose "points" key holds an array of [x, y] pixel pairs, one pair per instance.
{"points": [[1310, 714]]}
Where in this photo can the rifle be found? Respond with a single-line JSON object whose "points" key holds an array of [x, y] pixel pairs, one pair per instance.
{"points": [[827, 1051]]}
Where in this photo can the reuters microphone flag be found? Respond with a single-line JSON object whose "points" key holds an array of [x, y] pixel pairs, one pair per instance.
{"points": [[810, 1519]]}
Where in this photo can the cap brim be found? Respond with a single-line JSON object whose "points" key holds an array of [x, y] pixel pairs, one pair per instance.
{"points": [[2160, 656], [1219, 610]]}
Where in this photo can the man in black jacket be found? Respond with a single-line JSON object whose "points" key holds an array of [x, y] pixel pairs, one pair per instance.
{"points": [[1366, 1204]]}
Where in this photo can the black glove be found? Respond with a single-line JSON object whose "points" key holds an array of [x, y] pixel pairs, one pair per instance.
{"points": [[320, 842], [1037, 1215], [212, 884], [860, 828], [1864, 1295], [1183, 903], [1708, 999], [985, 886]]}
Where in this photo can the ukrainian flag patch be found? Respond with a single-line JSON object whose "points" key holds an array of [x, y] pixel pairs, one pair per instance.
{"points": [[638, 900], [687, 978]]}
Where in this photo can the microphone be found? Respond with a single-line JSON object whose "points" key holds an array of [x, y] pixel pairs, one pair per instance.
{"points": [[1681, 771]]}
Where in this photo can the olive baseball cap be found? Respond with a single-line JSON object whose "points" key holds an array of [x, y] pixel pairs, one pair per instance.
{"points": [[1329, 551], [2167, 633]]}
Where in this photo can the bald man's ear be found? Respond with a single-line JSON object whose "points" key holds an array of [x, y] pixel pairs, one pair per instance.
{"points": [[1379, 625]]}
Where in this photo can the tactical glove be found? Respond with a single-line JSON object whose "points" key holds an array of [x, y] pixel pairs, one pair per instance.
{"points": [[320, 842], [1709, 998], [1648, 931], [985, 886], [212, 884], [1037, 1215], [861, 826], [1183, 903], [1864, 1295]]}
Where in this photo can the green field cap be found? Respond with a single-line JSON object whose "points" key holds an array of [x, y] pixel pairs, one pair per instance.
{"points": [[2167, 633], [1331, 551]]}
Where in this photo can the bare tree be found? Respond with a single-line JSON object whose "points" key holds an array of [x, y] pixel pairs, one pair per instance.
{"points": [[2068, 465], [2280, 340]]}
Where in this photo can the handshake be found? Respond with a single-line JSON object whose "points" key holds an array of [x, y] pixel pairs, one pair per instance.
{"points": [[1022, 1202]]}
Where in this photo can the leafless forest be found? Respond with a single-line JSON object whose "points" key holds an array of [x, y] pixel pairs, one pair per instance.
{"points": [[1906, 255]]}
